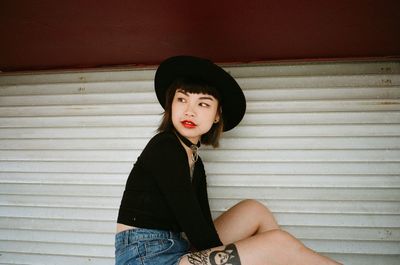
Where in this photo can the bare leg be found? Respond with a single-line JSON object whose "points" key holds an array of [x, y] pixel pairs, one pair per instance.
{"points": [[252, 236], [245, 219], [274, 247]]}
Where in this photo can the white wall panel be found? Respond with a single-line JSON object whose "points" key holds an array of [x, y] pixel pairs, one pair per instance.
{"points": [[319, 145]]}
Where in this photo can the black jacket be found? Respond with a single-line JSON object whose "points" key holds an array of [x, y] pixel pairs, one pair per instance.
{"points": [[160, 195]]}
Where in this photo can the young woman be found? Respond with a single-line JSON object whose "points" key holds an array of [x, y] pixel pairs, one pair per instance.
{"points": [[164, 217]]}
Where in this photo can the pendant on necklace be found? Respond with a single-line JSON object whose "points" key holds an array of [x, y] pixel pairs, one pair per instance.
{"points": [[195, 154], [188, 143]]}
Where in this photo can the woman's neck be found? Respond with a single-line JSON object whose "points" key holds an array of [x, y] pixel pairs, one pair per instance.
{"points": [[190, 147]]}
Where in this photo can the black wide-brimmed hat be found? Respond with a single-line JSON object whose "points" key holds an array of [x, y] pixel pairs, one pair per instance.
{"points": [[232, 99]]}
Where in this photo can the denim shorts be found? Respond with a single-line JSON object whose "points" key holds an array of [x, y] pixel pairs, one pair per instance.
{"points": [[141, 246]]}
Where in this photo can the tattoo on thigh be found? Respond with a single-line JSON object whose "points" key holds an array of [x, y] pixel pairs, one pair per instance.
{"points": [[227, 256], [199, 258]]}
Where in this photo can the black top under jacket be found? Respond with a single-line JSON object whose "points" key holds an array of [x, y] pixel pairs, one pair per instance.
{"points": [[159, 193]]}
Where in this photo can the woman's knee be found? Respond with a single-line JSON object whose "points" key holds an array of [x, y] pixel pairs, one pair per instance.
{"points": [[254, 205], [257, 209]]}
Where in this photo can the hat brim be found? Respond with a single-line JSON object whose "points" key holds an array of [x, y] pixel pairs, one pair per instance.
{"points": [[233, 101]]}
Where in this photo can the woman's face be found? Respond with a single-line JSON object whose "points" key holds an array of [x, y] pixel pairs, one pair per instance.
{"points": [[221, 258], [193, 114]]}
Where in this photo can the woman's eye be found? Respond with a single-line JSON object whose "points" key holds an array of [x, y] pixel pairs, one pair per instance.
{"points": [[181, 100], [204, 104]]}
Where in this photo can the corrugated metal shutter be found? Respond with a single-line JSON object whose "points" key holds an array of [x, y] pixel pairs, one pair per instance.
{"points": [[320, 145]]}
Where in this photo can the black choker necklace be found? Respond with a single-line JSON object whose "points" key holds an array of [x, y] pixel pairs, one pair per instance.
{"points": [[192, 146]]}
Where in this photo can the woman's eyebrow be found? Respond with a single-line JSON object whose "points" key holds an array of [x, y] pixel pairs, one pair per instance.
{"points": [[182, 91], [187, 94], [209, 98]]}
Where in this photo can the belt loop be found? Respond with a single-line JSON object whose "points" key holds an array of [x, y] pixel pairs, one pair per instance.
{"points": [[126, 238]]}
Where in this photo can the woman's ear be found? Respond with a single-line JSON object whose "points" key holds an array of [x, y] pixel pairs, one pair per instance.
{"points": [[217, 116]]}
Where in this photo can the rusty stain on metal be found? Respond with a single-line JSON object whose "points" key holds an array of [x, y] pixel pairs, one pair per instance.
{"points": [[386, 81], [388, 103], [386, 69]]}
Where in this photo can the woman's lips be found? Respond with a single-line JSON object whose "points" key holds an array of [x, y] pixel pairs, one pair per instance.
{"points": [[188, 124]]}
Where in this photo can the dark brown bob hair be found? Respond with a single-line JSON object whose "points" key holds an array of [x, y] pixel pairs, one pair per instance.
{"points": [[195, 86]]}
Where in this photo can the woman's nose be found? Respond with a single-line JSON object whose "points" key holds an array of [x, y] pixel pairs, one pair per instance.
{"points": [[189, 110]]}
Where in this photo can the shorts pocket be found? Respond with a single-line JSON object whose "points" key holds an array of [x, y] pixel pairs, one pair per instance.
{"points": [[125, 253], [158, 246]]}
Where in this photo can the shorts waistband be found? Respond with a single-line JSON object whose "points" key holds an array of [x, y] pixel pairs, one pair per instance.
{"points": [[137, 234]]}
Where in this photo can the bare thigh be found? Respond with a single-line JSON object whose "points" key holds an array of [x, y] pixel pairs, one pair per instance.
{"points": [[261, 249], [244, 220], [274, 247]]}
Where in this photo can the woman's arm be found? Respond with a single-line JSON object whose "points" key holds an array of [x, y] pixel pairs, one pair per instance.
{"points": [[168, 163]]}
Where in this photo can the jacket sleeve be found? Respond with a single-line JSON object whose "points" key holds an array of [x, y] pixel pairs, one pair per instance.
{"points": [[202, 195], [169, 166]]}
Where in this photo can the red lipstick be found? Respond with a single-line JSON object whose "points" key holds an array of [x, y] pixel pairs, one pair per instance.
{"points": [[188, 124]]}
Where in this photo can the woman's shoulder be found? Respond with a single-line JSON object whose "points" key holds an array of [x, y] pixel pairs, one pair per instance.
{"points": [[161, 146], [163, 139]]}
